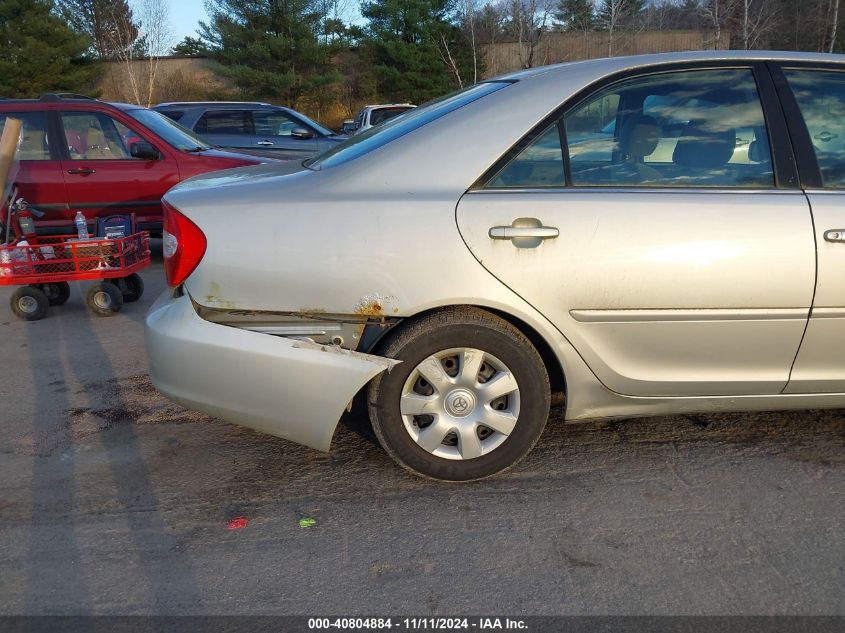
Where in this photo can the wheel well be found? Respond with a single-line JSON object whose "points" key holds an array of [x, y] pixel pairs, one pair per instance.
{"points": [[376, 336]]}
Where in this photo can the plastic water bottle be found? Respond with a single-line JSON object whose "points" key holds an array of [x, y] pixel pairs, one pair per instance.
{"points": [[81, 225]]}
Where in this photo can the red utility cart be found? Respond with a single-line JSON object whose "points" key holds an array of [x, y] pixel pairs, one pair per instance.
{"points": [[44, 268]]}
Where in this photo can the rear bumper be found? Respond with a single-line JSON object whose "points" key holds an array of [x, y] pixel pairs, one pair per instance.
{"points": [[288, 388]]}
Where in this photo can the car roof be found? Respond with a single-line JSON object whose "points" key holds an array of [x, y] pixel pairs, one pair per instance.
{"points": [[611, 64], [211, 104], [76, 100], [389, 105]]}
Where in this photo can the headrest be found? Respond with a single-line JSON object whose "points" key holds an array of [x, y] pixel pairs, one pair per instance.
{"points": [[758, 150], [703, 145], [639, 136]]}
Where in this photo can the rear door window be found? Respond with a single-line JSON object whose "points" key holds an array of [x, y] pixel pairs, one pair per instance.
{"points": [[681, 129], [224, 122], [34, 143], [821, 99]]}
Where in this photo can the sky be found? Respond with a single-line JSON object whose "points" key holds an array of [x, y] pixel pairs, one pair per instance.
{"points": [[185, 15]]}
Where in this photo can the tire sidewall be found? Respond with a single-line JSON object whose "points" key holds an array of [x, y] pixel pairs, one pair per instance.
{"points": [[520, 358]]}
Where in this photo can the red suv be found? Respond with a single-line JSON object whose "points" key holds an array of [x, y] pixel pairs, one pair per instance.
{"points": [[81, 154]]}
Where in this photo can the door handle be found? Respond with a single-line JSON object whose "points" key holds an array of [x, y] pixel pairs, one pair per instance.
{"points": [[82, 171], [825, 137], [511, 232], [264, 143], [835, 235], [524, 232]]}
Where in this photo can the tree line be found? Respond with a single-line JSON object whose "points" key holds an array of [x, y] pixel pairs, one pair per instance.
{"points": [[393, 50]]}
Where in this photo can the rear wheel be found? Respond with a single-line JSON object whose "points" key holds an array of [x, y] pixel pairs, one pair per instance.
{"points": [[131, 287], [470, 398], [104, 299], [57, 293], [29, 303]]}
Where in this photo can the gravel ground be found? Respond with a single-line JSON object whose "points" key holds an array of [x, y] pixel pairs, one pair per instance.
{"points": [[114, 501]]}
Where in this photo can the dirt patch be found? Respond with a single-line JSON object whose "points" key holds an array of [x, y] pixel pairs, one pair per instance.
{"points": [[114, 403]]}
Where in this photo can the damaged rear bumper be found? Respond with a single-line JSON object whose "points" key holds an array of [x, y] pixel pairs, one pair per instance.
{"points": [[285, 387]]}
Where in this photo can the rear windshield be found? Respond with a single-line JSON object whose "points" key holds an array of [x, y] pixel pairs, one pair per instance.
{"points": [[383, 114], [376, 137]]}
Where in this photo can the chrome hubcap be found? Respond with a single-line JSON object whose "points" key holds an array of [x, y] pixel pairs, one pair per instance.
{"points": [[460, 403], [28, 305]]}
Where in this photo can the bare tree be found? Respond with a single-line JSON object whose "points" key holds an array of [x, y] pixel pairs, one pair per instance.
{"points": [[715, 12], [612, 12], [834, 23], [155, 24], [758, 19], [469, 21], [449, 60], [528, 20], [139, 47]]}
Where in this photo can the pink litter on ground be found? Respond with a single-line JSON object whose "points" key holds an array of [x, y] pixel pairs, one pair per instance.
{"points": [[237, 523]]}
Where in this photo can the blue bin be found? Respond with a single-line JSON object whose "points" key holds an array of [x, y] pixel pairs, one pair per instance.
{"points": [[115, 226]]}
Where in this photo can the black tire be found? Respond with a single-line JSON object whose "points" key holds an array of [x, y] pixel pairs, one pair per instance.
{"points": [[131, 287], [104, 299], [57, 293], [447, 329], [29, 303]]}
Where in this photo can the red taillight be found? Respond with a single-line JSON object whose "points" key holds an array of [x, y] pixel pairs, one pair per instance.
{"points": [[183, 245]]}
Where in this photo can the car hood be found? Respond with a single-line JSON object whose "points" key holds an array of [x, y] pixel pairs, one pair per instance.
{"points": [[246, 158]]}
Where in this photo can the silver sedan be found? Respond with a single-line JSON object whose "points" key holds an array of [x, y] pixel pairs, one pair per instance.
{"points": [[473, 261]]}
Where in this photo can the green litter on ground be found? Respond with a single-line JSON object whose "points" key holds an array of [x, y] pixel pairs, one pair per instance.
{"points": [[307, 522]]}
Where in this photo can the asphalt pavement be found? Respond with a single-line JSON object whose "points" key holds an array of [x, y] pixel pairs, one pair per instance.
{"points": [[115, 501]]}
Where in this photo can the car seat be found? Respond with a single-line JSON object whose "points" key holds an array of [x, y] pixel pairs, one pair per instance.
{"points": [[98, 145], [703, 150], [33, 145], [639, 138]]}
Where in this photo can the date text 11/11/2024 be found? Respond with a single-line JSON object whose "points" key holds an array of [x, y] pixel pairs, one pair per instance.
{"points": [[417, 624]]}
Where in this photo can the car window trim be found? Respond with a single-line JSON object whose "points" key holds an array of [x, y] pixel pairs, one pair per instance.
{"points": [[808, 165], [783, 161], [57, 137]]}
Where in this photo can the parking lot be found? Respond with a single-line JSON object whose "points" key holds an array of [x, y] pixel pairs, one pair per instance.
{"points": [[115, 501]]}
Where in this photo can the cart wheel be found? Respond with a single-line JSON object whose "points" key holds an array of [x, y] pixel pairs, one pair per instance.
{"points": [[131, 287], [29, 303], [104, 298], [57, 293]]}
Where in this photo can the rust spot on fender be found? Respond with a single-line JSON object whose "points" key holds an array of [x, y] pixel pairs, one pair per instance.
{"points": [[370, 309], [373, 305]]}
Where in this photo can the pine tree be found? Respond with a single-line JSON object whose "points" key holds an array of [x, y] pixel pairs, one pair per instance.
{"points": [[417, 49], [576, 15], [39, 52], [190, 46], [270, 48]]}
